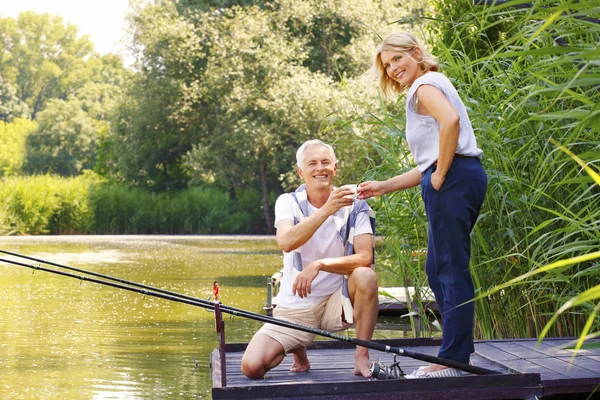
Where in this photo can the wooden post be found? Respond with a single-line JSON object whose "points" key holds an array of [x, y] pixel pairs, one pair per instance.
{"points": [[220, 326]]}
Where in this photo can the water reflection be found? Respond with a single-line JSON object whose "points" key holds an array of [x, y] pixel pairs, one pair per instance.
{"points": [[61, 338]]}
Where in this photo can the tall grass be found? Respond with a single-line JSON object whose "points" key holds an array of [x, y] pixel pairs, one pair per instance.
{"points": [[53, 205], [123, 210], [540, 207], [43, 204]]}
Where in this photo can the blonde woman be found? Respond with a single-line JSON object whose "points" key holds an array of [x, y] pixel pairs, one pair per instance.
{"points": [[453, 184]]}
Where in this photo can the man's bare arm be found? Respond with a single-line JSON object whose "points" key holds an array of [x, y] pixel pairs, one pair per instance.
{"points": [[289, 236], [363, 257]]}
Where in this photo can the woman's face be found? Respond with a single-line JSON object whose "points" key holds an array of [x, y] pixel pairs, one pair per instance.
{"points": [[401, 66]]}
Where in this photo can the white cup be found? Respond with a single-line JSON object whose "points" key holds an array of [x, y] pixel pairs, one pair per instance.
{"points": [[350, 196]]}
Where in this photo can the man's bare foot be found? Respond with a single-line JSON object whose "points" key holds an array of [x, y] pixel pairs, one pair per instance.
{"points": [[362, 365], [301, 364]]}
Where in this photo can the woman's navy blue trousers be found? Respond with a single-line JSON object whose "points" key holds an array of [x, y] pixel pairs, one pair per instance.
{"points": [[451, 214]]}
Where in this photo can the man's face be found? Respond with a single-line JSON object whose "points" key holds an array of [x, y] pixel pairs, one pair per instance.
{"points": [[318, 167]]}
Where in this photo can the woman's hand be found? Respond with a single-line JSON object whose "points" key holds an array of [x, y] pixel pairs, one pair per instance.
{"points": [[437, 180], [369, 189]]}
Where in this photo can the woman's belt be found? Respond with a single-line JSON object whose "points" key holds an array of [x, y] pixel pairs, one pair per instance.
{"points": [[460, 156]]}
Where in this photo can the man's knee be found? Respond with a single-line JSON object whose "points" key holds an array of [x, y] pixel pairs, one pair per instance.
{"points": [[262, 354], [253, 368]]}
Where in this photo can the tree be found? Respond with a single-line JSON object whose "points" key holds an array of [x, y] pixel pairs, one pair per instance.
{"points": [[65, 141], [11, 106], [226, 95], [12, 145], [41, 57]]}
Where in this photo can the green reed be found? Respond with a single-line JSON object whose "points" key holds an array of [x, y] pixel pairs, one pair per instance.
{"points": [[540, 207], [47, 204], [44, 204], [126, 210]]}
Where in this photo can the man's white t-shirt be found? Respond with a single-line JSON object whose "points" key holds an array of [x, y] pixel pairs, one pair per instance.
{"points": [[325, 243]]}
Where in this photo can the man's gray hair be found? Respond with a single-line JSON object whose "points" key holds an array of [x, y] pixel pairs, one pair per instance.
{"points": [[313, 142]]}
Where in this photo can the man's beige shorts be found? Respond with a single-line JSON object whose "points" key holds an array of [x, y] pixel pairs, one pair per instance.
{"points": [[326, 315]]}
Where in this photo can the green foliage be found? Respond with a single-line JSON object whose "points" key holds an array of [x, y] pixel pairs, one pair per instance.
{"points": [[337, 35], [72, 213], [70, 131], [65, 142], [41, 57], [468, 30], [13, 137], [149, 137], [119, 210], [47, 71], [226, 95], [540, 208], [214, 5], [87, 204], [44, 204], [11, 106]]}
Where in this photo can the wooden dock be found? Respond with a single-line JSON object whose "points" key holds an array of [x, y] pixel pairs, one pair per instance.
{"points": [[529, 370]]}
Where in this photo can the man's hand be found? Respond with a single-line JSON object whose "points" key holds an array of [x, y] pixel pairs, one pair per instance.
{"points": [[302, 283], [339, 197]]}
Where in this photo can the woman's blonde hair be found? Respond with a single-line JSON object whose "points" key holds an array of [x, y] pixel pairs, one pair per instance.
{"points": [[404, 42]]}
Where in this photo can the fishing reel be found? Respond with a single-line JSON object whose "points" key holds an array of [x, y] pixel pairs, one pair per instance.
{"points": [[380, 371]]}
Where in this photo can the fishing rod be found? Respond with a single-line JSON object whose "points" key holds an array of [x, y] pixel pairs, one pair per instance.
{"points": [[99, 275], [177, 297]]}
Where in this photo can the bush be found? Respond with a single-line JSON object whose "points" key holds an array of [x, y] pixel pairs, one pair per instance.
{"points": [[47, 204], [12, 145]]}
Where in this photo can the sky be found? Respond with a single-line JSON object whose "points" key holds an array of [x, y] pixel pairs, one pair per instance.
{"points": [[103, 21]]}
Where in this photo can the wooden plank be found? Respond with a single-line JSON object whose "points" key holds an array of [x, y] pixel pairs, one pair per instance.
{"points": [[588, 363], [338, 344], [515, 349], [220, 327], [570, 342], [498, 393], [529, 367], [565, 368], [285, 376], [467, 386], [551, 349], [568, 386], [215, 365], [310, 377], [319, 361], [487, 350]]}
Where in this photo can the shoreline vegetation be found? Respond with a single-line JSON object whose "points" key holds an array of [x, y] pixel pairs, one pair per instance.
{"points": [[191, 144], [54, 205]]}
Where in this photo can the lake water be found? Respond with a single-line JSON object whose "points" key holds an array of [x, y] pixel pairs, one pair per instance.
{"points": [[62, 338]]}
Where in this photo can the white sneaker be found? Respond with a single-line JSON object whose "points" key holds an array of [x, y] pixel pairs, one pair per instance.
{"points": [[444, 373]]}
